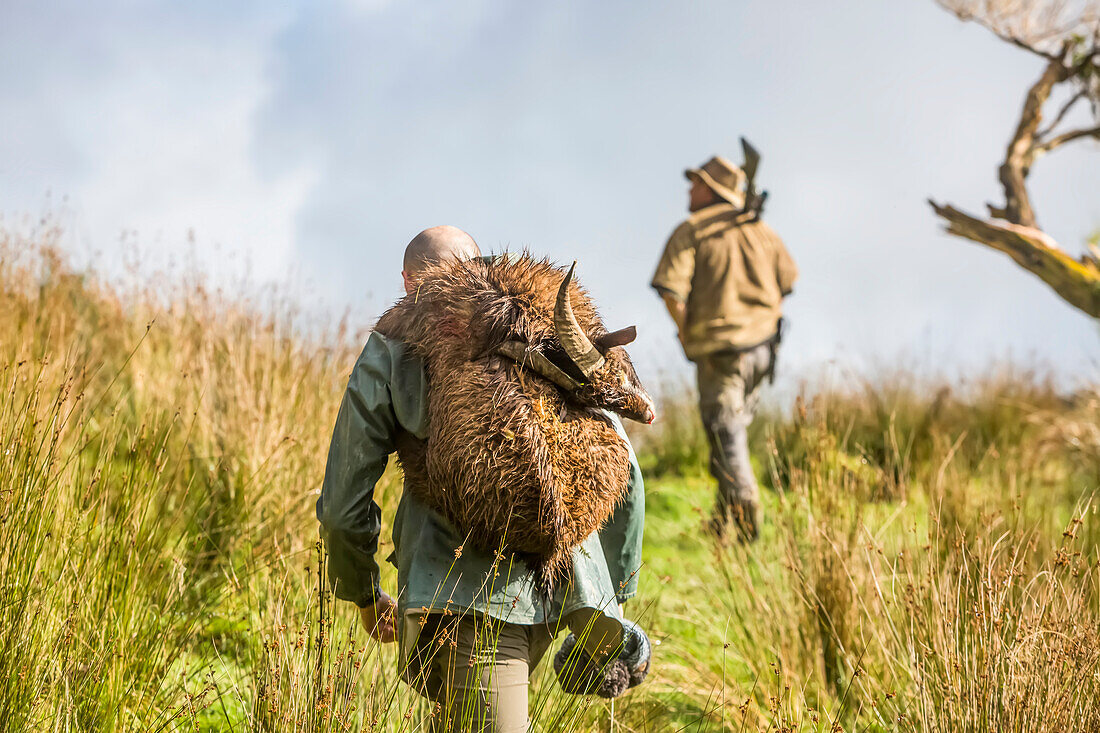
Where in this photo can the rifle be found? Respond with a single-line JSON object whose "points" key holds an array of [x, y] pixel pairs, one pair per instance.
{"points": [[754, 200]]}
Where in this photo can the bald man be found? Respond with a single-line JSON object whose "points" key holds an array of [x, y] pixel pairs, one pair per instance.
{"points": [[435, 245], [470, 635]]}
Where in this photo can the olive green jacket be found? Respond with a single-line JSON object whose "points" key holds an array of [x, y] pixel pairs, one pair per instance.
{"points": [[436, 568]]}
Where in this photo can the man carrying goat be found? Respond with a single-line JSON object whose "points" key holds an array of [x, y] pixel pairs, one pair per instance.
{"points": [[499, 389]]}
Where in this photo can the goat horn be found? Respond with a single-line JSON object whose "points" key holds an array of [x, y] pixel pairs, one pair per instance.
{"points": [[622, 337], [530, 358], [577, 346]]}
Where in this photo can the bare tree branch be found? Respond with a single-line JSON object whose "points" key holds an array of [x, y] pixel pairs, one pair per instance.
{"points": [[1021, 148], [1067, 34], [1066, 137], [1020, 43], [1038, 26], [1077, 282], [1062, 113]]}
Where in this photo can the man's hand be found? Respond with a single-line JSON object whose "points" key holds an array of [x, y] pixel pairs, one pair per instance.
{"points": [[380, 618]]}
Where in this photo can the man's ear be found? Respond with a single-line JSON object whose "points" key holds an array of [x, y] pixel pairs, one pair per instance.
{"points": [[406, 282]]}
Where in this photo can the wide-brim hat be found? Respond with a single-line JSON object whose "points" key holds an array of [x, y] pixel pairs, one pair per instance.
{"points": [[722, 177]]}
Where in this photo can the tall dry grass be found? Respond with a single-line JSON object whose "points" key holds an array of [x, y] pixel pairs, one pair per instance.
{"points": [[931, 562], [928, 563], [161, 456]]}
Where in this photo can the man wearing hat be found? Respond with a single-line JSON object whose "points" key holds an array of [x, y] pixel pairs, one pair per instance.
{"points": [[723, 276]]}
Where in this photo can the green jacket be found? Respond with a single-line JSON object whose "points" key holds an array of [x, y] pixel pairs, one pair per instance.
{"points": [[386, 394]]}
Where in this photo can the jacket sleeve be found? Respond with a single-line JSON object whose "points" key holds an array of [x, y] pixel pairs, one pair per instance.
{"points": [[677, 265], [621, 537], [361, 443], [785, 268]]}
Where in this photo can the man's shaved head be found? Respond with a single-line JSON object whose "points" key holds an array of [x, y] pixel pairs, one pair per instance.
{"points": [[438, 244]]}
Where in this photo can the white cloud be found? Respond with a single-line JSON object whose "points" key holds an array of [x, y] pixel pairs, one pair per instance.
{"points": [[154, 118]]}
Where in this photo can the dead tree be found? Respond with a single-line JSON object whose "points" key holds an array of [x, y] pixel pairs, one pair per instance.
{"points": [[1066, 35]]}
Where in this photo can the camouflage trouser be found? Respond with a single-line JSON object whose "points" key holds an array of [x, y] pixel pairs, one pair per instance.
{"points": [[727, 400]]}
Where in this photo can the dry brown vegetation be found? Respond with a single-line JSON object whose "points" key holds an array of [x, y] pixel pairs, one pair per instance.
{"points": [[928, 561]]}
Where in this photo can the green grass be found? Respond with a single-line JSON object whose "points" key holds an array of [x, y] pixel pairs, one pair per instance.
{"points": [[928, 558]]}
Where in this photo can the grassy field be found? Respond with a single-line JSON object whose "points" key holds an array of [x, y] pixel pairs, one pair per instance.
{"points": [[928, 560]]}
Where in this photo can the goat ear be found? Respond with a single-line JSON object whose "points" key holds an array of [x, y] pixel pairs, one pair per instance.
{"points": [[622, 337]]}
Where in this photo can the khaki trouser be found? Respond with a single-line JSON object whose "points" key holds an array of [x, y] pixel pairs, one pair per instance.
{"points": [[728, 395], [476, 670]]}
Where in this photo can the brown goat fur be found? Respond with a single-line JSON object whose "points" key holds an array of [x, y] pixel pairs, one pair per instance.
{"points": [[513, 461]]}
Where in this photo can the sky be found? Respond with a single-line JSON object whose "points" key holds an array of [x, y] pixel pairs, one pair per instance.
{"points": [[311, 141]]}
